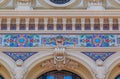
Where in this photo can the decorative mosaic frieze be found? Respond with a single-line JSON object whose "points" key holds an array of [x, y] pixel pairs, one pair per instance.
{"points": [[19, 55], [98, 55], [20, 40], [79, 40]]}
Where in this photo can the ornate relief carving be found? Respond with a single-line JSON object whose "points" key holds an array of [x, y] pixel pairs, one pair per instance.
{"points": [[70, 64], [24, 5], [95, 5], [100, 70], [59, 57], [19, 69]]}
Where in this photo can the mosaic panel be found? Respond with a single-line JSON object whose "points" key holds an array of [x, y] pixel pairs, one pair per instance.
{"points": [[52, 40], [98, 55], [98, 40], [20, 55], [80, 40], [21, 40]]}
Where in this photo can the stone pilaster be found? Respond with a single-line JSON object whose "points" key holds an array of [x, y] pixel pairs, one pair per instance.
{"points": [[64, 23], [73, 23], [83, 24], [92, 23], [17, 23], [55, 23], [119, 23], [101, 23], [36, 20], [8, 23], [27, 23], [45, 23], [110, 23]]}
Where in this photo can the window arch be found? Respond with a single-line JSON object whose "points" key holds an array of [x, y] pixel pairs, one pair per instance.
{"points": [[59, 75], [1, 77], [118, 77], [59, 1]]}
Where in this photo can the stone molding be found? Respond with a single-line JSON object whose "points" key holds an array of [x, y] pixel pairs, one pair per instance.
{"points": [[63, 13]]}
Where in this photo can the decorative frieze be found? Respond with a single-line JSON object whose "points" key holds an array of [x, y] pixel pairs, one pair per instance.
{"points": [[66, 40]]}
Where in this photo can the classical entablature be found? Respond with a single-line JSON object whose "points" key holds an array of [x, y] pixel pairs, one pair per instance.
{"points": [[55, 21]]}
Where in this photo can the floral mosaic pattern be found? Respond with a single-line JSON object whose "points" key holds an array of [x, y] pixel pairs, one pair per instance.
{"points": [[97, 40], [21, 40], [79, 40], [20, 55], [50, 40], [98, 55]]}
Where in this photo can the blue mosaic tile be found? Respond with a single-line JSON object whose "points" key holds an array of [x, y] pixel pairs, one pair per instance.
{"points": [[19, 55], [98, 55]]}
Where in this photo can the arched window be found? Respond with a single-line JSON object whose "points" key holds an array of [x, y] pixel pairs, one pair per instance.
{"points": [[1, 77], [59, 75], [118, 77]]}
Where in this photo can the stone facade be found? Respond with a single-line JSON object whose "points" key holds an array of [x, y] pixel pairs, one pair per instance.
{"points": [[80, 36]]}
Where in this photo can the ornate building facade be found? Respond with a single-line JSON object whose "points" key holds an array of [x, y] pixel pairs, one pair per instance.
{"points": [[59, 39]]}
